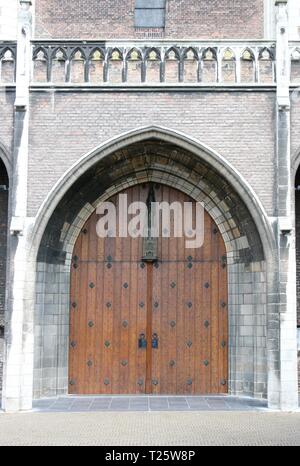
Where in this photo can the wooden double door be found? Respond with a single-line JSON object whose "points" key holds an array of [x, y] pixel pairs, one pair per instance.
{"points": [[141, 327]]}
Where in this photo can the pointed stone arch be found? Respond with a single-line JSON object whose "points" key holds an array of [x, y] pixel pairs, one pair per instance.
{"points": [[172, 158], [4, 156], [158, 133]]}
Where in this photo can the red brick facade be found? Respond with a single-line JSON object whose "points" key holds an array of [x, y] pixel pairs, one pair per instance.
{"points": [[114, 19]]}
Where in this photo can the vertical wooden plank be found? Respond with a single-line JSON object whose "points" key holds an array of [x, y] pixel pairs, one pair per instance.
{"points": [[143, 308], [82, 322], [155, 312], [223, 316], [141, 327], [75, 293], [149, 329], [114, 386], [92, 289], [156, 309]]}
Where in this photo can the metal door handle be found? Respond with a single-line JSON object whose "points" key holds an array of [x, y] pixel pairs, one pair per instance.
{"points": [[155, 341], [142, 342]]}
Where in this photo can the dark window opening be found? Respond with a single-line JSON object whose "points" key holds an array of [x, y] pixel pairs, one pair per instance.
{"points": [[3, 176], [150, 13]]}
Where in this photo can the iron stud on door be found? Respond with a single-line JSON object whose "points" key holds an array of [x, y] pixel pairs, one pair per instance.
{"points": [[75, 262]]}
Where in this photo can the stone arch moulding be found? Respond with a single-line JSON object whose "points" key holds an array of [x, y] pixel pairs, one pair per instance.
{"points": [[295, 164], [158, 133], [4, 155], [5, 168], [250, 253]]}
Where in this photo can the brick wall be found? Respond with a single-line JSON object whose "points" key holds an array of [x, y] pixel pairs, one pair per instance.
{"points": [[7, 119], [294, 15], [8, 19], [65, 126], [185, 19], [295, 128]]}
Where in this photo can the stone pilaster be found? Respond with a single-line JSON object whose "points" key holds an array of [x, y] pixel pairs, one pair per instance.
{"points": [[283, 391], [17, 381], [269, 8]]}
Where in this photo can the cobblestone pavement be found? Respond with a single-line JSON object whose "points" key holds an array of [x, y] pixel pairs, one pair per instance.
{"points": [[150, 428]]}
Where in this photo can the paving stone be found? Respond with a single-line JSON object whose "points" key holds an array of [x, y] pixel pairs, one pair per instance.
{"points": [[149, 403], [101, 403], [198, 404], [130, 428]]}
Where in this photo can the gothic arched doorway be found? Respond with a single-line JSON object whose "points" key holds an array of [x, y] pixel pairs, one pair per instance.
{"points": [[155, 157], [148, 326]]}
